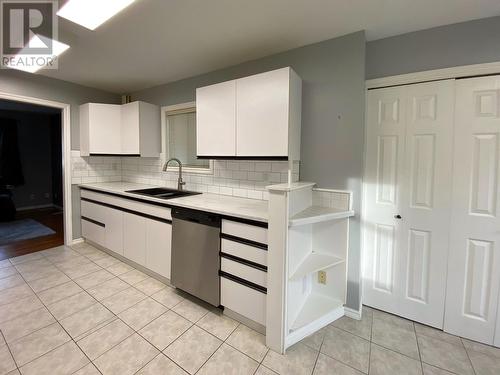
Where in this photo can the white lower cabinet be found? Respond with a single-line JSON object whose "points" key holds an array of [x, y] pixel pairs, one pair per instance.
{"points": [[248, 302], [243, 279], [134, 238], [113, 232], [144, 237], [158, 247], [243, 271], [92, 231]]}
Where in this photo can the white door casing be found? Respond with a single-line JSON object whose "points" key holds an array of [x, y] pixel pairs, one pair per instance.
{"points": [[407, 199], [474, 260]]}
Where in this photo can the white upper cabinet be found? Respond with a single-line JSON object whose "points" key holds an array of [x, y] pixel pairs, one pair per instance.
{"points": [[100, 126], [129, 129], [252, 117], [216, 120], [268, 114]]}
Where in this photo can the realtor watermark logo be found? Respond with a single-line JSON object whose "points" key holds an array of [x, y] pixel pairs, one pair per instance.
{"points": [[29, 34]]}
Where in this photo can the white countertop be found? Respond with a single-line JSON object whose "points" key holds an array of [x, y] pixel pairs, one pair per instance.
{"points": [[250, 209]]}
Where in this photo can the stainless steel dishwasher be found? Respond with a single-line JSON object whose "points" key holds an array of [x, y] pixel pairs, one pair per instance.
{"points": [[195, 254]]}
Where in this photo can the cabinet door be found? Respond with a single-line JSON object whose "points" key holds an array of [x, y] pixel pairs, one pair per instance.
{"points": [[104, 128], [113, 237], [130, 129], [474, 255], [92, 231], [134, 238], [216, 120], [262, 114], [149, 130], [158, 247]]}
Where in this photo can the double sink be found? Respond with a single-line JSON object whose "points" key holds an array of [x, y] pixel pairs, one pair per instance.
{"points": [[163, 193]]}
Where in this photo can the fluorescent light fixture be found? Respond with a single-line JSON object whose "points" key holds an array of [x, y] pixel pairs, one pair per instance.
{"points": [[92, 13], [32, 63]]}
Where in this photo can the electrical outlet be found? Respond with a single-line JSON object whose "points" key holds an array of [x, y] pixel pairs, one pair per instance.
{"points": [[322, 277]]}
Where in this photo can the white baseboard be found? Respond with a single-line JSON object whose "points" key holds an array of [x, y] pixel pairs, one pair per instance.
{"points": [[351, 313], [76, 241]]}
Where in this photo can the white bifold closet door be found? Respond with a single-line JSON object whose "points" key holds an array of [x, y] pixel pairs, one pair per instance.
{"points": [[474, 259], [407, 184]]}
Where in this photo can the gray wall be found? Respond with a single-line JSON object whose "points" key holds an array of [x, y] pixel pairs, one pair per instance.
{"points": [[466, 43], [20, 83], [332, 117]]}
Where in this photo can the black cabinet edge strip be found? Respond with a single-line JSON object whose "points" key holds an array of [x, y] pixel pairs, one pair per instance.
{"points": [[248, 263], [93, 221], [156, 218], [246, 221], [244, 241], [270, 158], [142, 200], [244, 282], [119, 155]]}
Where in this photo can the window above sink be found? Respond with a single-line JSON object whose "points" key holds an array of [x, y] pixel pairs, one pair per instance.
{"points": [[179, 138]]}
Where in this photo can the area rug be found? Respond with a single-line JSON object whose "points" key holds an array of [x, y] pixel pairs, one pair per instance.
{"points": [[22, 230]]}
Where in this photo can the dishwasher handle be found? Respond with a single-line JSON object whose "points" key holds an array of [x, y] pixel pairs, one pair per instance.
{"points": [[199, 217]]}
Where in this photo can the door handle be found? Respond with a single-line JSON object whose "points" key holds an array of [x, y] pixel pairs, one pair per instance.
{"points": [[397, 217]]}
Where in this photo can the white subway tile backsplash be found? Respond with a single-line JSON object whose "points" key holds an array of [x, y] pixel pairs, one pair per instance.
{"points": [[232, 165], [230, 177], [213, 189], [240, 193], [332, 198], [255, 194], [263, 167], [225, 190], [247, 166], [279, 166], [256, 176]]}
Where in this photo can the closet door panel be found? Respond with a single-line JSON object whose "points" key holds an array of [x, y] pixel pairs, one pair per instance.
{"points": [[474, 258], [426, 200], [384, 174], [407, 199]]}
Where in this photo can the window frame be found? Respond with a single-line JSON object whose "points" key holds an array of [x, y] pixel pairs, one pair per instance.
{"points": [[172, 109]]}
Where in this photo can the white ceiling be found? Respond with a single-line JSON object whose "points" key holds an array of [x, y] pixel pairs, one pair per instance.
{"points": [[158, 41]]}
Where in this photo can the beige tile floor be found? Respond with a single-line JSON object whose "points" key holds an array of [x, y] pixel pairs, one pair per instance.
{"points": [[81, 311]]}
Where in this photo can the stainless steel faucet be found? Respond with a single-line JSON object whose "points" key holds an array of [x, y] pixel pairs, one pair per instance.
{"points": [[180, 183]]}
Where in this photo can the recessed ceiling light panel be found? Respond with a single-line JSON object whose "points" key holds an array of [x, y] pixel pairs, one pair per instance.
{"points": [[92, 13]]}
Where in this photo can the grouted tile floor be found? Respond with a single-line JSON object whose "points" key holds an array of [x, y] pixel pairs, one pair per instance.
{"points": [[81, 311]]}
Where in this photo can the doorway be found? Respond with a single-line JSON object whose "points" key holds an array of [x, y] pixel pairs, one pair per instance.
{"points": [[35, 202]]}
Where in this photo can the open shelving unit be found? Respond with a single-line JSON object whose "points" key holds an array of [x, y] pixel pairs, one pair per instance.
{"points": [[315, 262], [314, 308], [317, 214], [315, 239]]}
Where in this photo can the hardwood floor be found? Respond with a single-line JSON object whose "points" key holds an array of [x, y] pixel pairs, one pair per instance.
{"points": [[50, 217]]}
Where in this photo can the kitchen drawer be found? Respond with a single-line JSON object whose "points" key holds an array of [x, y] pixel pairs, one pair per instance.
{"points": [[243, 300], [244, 251], [93, 211], [247, 231], [252, 274], [128, 204], [93, 232]]}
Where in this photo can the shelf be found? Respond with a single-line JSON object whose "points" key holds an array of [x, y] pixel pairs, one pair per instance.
{"points": [[317, 214], [315, 262], [315, 307]]}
